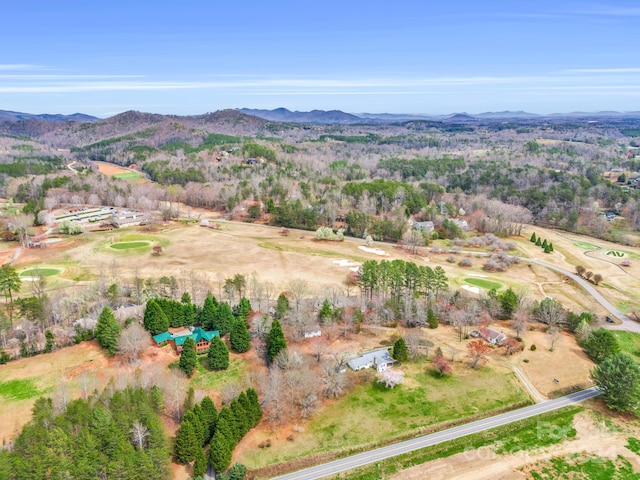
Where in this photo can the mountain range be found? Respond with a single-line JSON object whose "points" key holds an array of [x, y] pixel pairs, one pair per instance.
{"points": [[338, 117]]}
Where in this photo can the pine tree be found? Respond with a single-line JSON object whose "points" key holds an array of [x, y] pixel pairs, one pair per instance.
{"points": [[242, 420], [275, 340], [210, 413], [186, 298], [186, 444], [243, 309], [208, 313], [400, 351], [432, 320], [326, 312], [247, 407], [544, 244], [200, 429], [189, 400], [282, 306], [188, 357], [550, 247], [107, 331], [227, 417], [220, 451], [547, 249], [200, 463], [239, 337], [218, 355], [533, 237], [224, 319], [538, 242], [155, 319], [256, 410]]}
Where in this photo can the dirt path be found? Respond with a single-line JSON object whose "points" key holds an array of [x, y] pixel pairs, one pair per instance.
{"points": [[524, 380]]}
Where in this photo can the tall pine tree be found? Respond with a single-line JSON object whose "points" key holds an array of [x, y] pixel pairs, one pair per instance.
{"points": [[154, 318], [275, 340], [107, 330], [188, 357], [200, 463], [218, 354], [239, 337], [209, 313], [224, 319], [186, 444]]}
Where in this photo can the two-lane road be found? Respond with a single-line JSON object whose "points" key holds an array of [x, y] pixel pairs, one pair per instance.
{"points": [[378, 454]]}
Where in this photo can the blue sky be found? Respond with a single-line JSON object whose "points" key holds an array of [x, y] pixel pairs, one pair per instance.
{"points": [[398, 56]]}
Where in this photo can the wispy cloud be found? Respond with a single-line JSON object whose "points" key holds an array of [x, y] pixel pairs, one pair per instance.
{"points": [[605, 70], [16, 67]]}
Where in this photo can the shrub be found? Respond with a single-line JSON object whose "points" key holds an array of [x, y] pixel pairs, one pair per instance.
{"points": [[533, 347]]}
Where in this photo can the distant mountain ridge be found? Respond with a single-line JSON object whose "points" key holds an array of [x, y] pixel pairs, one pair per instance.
{"points": [[281, 114], [9, 116]]}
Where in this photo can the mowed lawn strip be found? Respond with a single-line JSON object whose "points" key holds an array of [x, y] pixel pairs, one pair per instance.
{"points": [[629, 343], [483, 283], [372, 414], [528, 433], [128, 245]]}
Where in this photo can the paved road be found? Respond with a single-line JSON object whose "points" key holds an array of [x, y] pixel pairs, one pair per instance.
{"points": [[378, 454], [627, 323]]}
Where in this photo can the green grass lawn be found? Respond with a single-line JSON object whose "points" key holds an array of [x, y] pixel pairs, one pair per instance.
{"points": [[372, 414], [483, 283], [629, 342], [19, 389], [216, 380], [585, 246], [44, 271], [129, 245], [581, 466], [525, 430], [128, 175]]}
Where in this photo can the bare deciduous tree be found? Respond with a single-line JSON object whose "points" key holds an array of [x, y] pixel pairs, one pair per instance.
{"points": [[139, 434], [391, 377], [132, 341]]}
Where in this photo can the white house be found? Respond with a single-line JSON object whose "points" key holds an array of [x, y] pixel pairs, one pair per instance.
{"points": [[378, 359], [312, 331], [492, 336]]}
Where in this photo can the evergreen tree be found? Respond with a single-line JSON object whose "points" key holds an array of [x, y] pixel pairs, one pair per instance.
{"points": [[189, 314], [189, 399], [239, 337], [224, 319], [186, 298], [242, 420], [326, 312], [432, 320], [155, 319], [538, 242], [243, 309], [544, 243], [188, 357], [618, 378], [533, 237], [186, 444], [227, 417], [107, 330], [256, 410], [220, 451], [200, 427], [547, 249], [550, 247], [400, 351], [208, 313], [601, 344], [210, 413], [237, 472], [200, 463], [508, 303], [50, 341], [282, 306], [218, 355], [247, 407], [275, 340]]}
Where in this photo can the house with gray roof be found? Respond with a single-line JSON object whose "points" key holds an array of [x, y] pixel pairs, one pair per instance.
{"points": [[378, 359]]}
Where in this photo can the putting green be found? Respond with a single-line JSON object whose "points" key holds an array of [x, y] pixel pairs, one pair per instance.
{"points": [[44, 271], [129, 245], [482, 283]]}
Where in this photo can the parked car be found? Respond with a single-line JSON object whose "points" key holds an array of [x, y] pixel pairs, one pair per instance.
{"points": [[610, 320]]}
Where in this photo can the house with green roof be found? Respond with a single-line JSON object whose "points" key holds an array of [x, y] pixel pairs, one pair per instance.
{"points": [[177, 338]]}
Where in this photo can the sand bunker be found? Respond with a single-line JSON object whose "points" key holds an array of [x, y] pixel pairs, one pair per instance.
{"points": [[477, 275], [345, 263], [475, 290], [377, 251]]}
